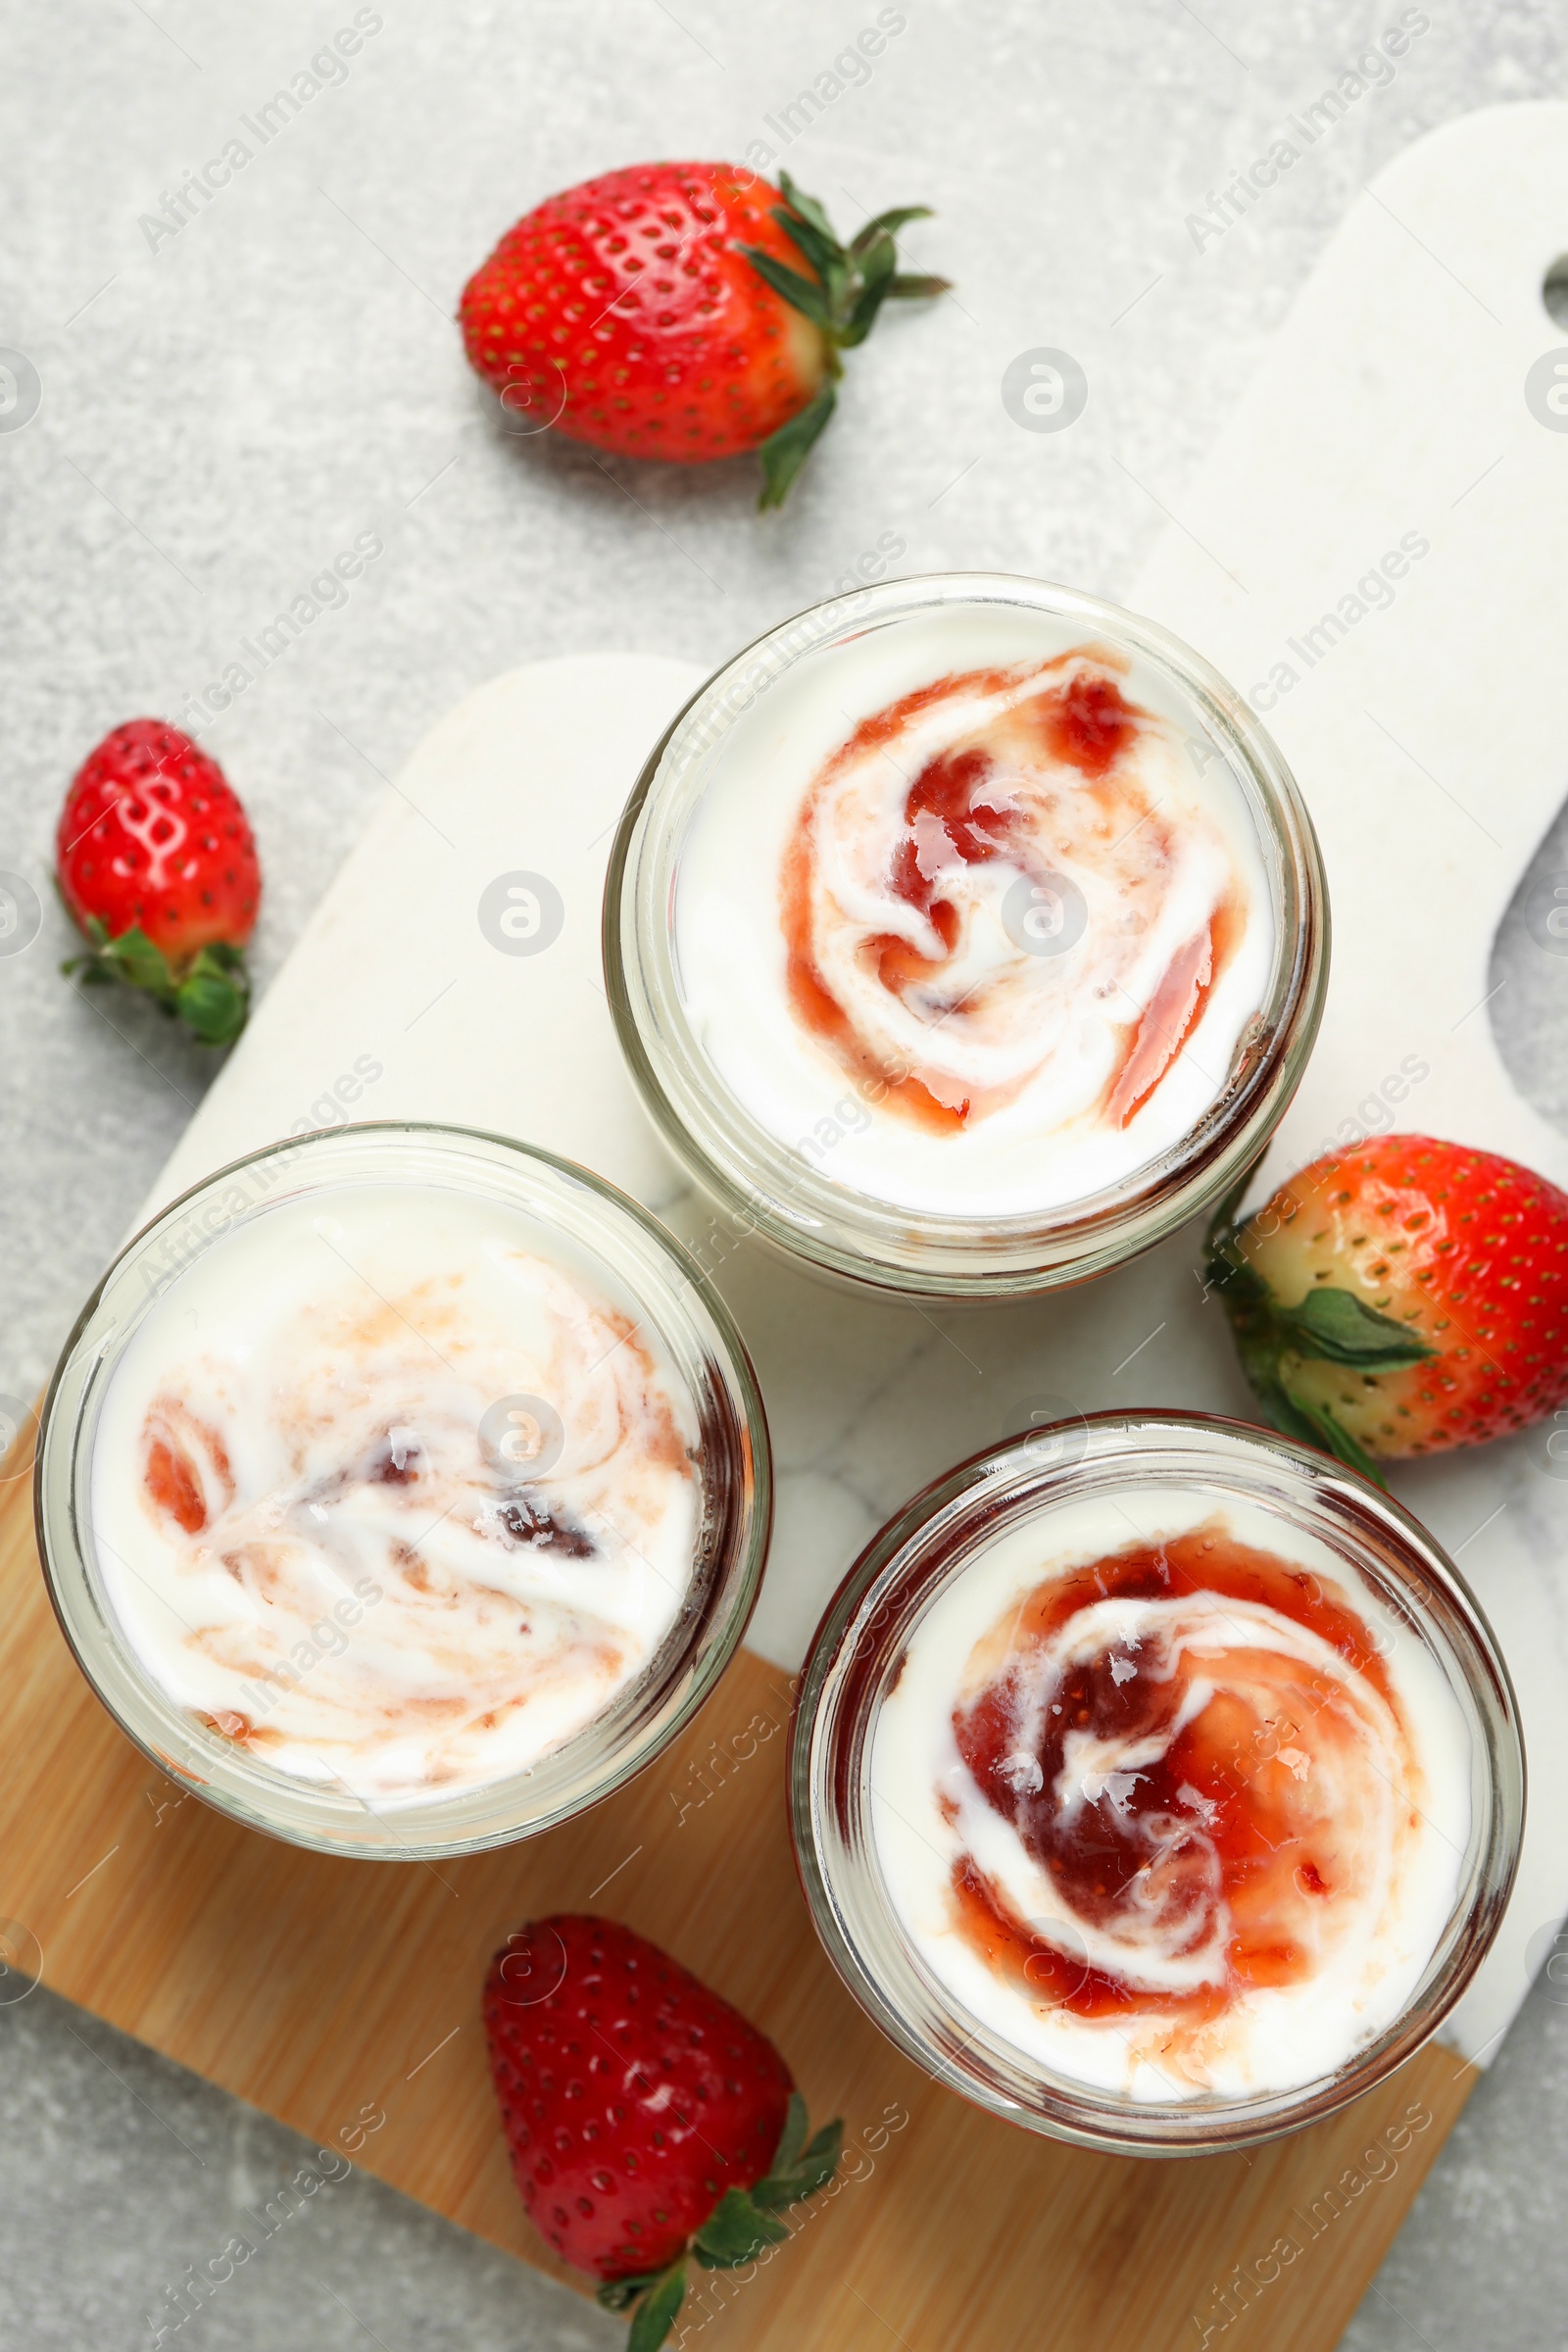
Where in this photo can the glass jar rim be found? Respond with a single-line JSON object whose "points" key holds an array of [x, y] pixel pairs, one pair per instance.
{"points": [[839, 1693], [770, 1186], [642, 1259]]}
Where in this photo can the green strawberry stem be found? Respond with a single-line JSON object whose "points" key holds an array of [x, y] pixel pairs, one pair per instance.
{"points": [[657, 2310], [785, 452], [1329, 1325], [210, 994], [843, 299], [743, 2225]]}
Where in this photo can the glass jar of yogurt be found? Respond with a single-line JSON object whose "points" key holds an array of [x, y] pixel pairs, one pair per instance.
{"points": [[965, 936], [403, 1490], [1157, 1784]]}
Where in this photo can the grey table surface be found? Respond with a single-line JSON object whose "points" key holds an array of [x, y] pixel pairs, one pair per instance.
{"points": [[224, 407]]}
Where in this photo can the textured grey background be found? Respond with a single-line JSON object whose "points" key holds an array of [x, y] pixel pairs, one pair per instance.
{"points": [[220, 415]]}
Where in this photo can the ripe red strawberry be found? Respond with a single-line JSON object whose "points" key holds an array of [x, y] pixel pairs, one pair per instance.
{"points": [[157, 867], [1401, 1298], [661, 312], [647, 2120]]}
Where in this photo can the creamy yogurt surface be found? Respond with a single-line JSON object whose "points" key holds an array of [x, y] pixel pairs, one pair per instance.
{"points": [[392, 1489], [1168, 1800], [972, 914]]}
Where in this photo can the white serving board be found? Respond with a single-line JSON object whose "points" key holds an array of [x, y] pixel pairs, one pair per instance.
{"points": [[1390, 404]]}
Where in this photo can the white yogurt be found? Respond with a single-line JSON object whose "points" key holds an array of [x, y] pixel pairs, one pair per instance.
{"points": [[1372, 1786], [393, 1491], [924, 944]]}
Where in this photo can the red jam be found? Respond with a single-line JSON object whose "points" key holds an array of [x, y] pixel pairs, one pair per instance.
{"points": [[1086, 724], [1233, 1826], [178, 1449]]}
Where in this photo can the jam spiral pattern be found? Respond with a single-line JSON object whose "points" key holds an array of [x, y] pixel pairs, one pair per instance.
{"points": [[379, 1573], [1186, 1779], [1006, 883]]}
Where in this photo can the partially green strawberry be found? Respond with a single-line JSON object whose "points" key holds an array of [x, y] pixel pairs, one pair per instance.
{"points": [[1400, 1298], [157, 867], [663, 312], [649, 2125]]}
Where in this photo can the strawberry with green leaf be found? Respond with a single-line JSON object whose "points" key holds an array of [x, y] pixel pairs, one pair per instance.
{"points": [[685, 311], [651, 2126], [1400, 1298], [157, 867]]}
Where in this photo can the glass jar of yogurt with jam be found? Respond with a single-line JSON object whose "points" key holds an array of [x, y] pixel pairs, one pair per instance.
{"points": [[1157, 1784], [965, 935], [403, 1490]]}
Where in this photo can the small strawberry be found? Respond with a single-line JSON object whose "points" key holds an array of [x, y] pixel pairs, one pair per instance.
{"points": [[157, 867], [661, 312], [1401, 1298], [648, 2121]]}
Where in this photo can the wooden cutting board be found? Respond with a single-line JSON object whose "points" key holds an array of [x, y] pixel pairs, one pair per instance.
{"points": [[343, 1997]]}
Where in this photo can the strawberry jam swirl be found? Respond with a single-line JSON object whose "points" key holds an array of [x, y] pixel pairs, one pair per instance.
{"points": [[1005, 885], [412, 1535], [1180, 1817]]}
